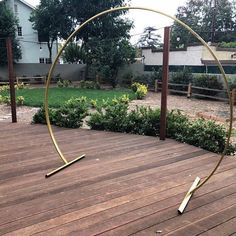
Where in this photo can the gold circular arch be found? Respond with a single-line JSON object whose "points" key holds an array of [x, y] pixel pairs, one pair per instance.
{"points": [[186, 27]]}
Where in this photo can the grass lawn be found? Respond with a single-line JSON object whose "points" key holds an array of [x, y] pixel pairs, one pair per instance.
{"points": [[57, 96]]}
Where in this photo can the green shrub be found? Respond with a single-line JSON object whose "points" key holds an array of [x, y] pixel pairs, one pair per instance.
{"points": [[89, 84], [127, 78], [20, 101], [110, 115], [4, 88], [6, 100], [182, 77], [232, 82], [145, 121], [177, 125], [207, 81], [227, 45], [39, 116], [134, 86], [146, 79], [70, 115], [141, 91], [63, 83]]}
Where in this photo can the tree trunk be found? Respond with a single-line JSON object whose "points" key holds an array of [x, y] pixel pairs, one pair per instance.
{"points": [[50, 51]]}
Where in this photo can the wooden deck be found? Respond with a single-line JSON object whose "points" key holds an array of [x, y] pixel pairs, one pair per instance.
{"points": [[127, 184]]}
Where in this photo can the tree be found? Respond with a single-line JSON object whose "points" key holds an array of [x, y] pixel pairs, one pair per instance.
{"points": [[108, 56], [51, 22], [104, 40], [73, 53], [150, 38], [8, 25], [213, 20]]}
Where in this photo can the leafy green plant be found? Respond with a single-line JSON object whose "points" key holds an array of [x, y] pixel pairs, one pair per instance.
{"points": [[147, 79], [181, 77], [63, 83], [93, 103], [20, 101], [40, 118], [145, 121], [227, 45], [141, 91], [4, 88], [89, 84], [232, 82], [207, 81]]}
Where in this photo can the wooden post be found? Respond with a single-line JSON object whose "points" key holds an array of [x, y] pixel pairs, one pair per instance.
{"points": [[189, 94], [233, 95], [156, 86], [11, 79], [164, 89]]}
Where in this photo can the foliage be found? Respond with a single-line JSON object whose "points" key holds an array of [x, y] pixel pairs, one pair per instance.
{"points": [[51, 21], [21, 86], [147, 79], [39, 116], [134, 86], [73, 54], [85, 84], [212, 23], [227, 45], [8, 25], [20, 101], [106, 27], [207, 81], [127, 78], [70, 115], [232, 82], [182, 77], [4, 88], [108, 56], [146, 121], [110, 115], [149, 38], [141, 91], [63, 83]]}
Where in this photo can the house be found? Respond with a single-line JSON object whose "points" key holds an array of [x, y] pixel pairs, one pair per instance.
{"points": [[197, 58], [32, 50]]}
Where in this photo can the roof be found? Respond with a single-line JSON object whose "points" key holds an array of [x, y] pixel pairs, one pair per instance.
{"points": [[223, 62], [27, 4]]}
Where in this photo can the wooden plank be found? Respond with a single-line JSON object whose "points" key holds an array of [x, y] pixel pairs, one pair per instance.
{"points": [[127, 184]]}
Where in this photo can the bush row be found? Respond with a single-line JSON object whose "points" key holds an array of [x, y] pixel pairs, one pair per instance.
{"points": [[146, 121]]}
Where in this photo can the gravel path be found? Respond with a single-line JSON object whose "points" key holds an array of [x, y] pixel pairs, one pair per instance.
{"points": [[215, 110]]}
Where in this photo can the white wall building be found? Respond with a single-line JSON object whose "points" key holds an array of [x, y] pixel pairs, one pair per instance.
{"points": [[197, 58], [32, 50]]}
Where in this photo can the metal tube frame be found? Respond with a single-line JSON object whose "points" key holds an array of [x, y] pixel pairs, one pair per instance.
{"points": [[196, 186]]}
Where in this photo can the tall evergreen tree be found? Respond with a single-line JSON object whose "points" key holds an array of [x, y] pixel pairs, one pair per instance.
{"points": [[8, 25], [213, 20]]}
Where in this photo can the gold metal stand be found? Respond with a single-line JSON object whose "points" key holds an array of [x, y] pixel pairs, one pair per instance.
{"points": [[196, 185], [188, 196], [64, 166]]}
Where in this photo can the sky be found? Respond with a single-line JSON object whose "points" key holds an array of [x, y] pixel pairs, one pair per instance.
{"points": [[144, 19]]}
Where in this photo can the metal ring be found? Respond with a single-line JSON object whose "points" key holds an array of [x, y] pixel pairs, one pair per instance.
{"points": [[186, 27]]}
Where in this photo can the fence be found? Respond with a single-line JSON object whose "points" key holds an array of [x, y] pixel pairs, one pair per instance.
{"points": [[189, 90]]}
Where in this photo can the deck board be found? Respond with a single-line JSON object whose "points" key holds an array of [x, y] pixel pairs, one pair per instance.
{"points": [[126, 185]]}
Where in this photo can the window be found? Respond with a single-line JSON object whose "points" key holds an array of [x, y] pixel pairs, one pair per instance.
{"points": [[48, 61], [16, 8], [19, 30], [41, 60]]}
